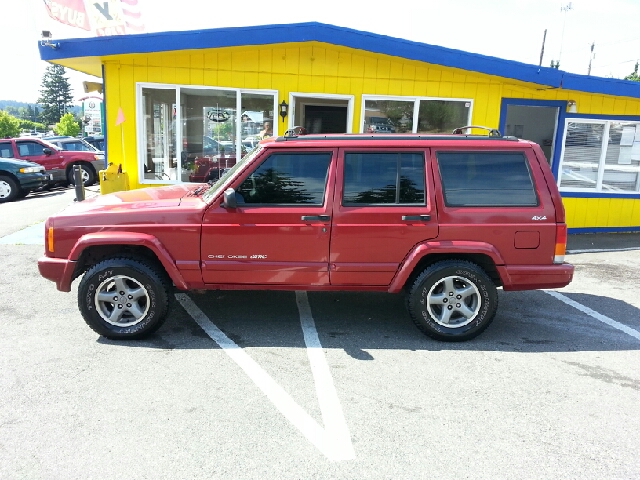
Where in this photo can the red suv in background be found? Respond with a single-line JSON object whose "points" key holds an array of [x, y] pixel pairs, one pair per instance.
{"points": [[445, 220], [57, 162]]}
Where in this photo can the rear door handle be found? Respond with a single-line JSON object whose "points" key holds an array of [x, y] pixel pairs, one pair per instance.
{"points": [[321, 218], [417, 218]]}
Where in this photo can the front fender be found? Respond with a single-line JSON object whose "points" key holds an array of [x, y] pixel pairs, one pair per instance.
{"points": [[126, 238], [451, 247]]}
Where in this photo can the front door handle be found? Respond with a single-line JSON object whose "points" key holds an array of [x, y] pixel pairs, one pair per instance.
{"points": [[321, 218], [417, 218]]}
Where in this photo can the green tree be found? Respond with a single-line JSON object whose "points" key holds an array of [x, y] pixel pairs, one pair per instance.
{"points": [[633, 76], [9, 125], [55, 95], [67, 126], [29, 125]]}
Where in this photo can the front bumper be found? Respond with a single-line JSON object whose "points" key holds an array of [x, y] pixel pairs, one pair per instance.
{"points": [[31, 181], [58, 270]]}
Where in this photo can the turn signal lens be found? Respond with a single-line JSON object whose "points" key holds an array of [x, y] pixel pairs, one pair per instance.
{"points": [[50, 239], [561, 243]]}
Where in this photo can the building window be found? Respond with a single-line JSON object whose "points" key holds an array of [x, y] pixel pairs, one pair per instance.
{"points": [[414, 114], [600, 156], [384, 179], [194, 134], [486, 179]]}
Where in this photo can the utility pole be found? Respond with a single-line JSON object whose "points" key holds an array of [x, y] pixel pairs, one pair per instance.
{"points": [[544, 38], [591, 57]]}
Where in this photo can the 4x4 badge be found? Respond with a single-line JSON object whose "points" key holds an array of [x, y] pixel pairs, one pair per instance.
{"points": [[535, 217]]}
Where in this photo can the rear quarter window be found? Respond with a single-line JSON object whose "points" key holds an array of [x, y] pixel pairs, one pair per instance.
{"points": [[486, 179]]}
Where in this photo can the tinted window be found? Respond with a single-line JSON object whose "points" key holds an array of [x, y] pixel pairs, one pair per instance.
{"points": [[486, 179], [384, 178], [287, 179], [5, 150], [30, 149]]}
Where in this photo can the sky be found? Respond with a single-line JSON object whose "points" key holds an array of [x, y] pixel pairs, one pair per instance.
{"points": [[508, 29]]}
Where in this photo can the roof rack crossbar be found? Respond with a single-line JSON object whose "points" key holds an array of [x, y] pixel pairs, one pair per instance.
{"points": [[492, 131]]}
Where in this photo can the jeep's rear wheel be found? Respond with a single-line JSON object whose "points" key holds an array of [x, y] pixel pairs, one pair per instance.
{"points": [[123, 298], [452, 300]]}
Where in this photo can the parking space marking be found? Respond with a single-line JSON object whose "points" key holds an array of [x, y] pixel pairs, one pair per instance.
{"points": [[334, 440], [594, 314], [601, 250], [332, 415]]}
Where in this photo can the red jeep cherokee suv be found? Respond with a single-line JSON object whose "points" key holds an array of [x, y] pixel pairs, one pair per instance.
{"points": [[444, 219]]}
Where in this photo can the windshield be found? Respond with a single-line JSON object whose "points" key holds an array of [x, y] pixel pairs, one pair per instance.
{"points": [[213, 190], [77, 146]]}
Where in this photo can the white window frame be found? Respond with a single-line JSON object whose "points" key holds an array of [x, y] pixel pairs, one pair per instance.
{"points": [[141, 125], [601, 161], [416, 106], [296, 99]]}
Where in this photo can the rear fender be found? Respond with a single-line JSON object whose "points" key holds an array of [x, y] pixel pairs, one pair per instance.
{"points": [[458, 248]]}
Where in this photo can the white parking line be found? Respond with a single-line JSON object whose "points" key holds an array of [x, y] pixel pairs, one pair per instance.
{"points": [[335, 425], [594, 314], [334, 441], [601, 250]]}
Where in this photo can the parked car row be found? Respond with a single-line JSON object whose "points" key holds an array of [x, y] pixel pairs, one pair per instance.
{"points": [[57, 161], [18, 178]]}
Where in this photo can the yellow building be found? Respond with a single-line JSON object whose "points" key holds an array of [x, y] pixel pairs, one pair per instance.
{"points": [[178, 101]]}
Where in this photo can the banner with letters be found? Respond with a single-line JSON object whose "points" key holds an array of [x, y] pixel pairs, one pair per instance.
{"points": [[104, 17], [69, 12]]}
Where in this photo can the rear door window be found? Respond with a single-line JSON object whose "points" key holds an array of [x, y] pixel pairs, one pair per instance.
{"points": [[6, 150], [486, 179], [374, 178]]}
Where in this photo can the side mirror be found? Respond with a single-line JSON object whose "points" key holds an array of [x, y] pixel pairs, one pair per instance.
{"points": [[230, 200], [47, 151]]}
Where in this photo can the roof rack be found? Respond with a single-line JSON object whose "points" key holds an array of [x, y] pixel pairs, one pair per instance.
{"points": [[492, 131], [353, 137], [300, 133]]}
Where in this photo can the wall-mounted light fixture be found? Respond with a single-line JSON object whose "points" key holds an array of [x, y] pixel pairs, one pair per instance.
{"points": [[46, 40], [572, 106], [284, 109]]}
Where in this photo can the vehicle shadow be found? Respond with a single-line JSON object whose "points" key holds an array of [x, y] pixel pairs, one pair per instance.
{"points": [[361, 322], [42, 194]]}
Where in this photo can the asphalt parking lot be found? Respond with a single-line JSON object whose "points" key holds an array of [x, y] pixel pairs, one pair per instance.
{"points": [[320, 385]]}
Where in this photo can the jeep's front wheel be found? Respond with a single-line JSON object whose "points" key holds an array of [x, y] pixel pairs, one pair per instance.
{"points": [[452, 300], [123, 298]]}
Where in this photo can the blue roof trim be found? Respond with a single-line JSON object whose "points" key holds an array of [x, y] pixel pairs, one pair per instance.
{"points": [[313, 31], [572, 231]]}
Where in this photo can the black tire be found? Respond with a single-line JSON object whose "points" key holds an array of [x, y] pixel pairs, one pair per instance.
{"points": [[474, 295], [88, 175], [8, 189], [23, 193], [140, 298]]}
